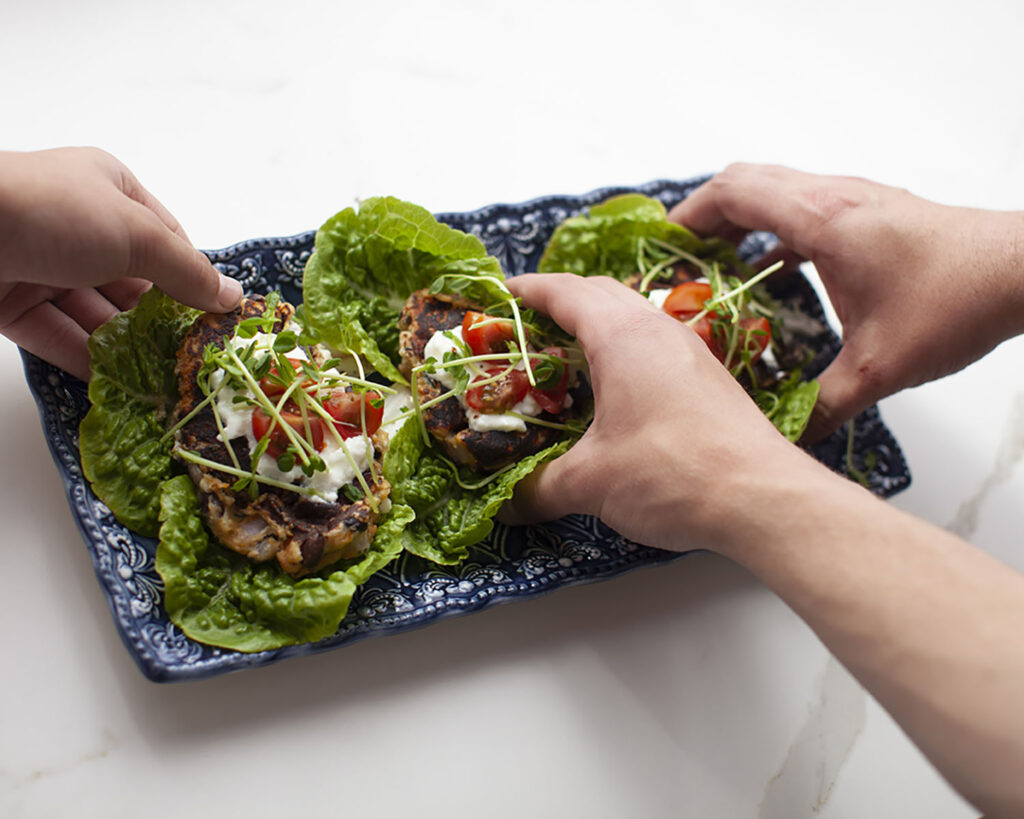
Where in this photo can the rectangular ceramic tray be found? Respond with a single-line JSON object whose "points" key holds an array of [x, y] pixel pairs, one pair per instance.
{"points": [[511, 564]]}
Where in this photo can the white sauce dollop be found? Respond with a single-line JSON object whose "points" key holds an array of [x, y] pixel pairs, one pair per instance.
{"points": [[344, 459], [657, 297], [441, 343]]}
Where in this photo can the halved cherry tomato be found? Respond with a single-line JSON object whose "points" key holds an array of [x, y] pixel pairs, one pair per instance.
{"points": [[271, 383], [687, 299], [486, 334], [346, 409], [706, 330], [552, 398], [262, 424], [500, 395], [757, 335]]}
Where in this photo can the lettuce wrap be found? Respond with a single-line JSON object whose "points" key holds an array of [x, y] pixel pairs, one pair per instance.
{"points": [[631, 233], [214, 595], [366, 263]]}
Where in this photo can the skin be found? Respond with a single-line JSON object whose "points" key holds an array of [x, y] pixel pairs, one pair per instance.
{"points": [[890, 262], [930, 625], [80, 240]]}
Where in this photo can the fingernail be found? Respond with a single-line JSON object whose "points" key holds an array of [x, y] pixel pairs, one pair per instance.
{"points": [[230, 293]]}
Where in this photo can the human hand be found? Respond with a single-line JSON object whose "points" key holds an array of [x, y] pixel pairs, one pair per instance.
{"points": [[675, 439], [679, 457], [921, 289], [80, 240]]}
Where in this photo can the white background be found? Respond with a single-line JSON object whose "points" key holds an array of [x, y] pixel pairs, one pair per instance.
{"points": [[687, 690]]}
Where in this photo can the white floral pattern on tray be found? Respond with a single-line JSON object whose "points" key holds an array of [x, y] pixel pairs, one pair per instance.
{"points": [[511, 564]]}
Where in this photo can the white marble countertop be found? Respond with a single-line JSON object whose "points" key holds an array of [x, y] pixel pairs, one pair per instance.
{"points": [[687, 690]]}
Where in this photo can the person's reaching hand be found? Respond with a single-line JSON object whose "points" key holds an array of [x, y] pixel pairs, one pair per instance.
{"points": [[675, 438], [82, 239], [921, 289]]}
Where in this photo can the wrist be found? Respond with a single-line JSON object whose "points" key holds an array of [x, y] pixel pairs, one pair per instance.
{"points": [[10, 213], [784, 499], [997, 257]]}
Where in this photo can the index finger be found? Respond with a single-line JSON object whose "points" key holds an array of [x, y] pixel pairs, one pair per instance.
{"points": [[792, 204], [182, 272], [585, 307]]}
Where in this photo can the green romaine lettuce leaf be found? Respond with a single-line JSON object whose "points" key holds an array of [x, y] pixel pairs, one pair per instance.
{"points": [[367, 262], [796, 400], [608, 240], [450, 518], [132, 390], [222, 599]]}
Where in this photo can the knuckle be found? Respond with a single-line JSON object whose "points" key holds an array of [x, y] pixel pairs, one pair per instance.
{"points": [[627, 335], [733, 171], [95, 152], [143, 245], [98, 157], [636, 325], [727, 179], [827, 207]]}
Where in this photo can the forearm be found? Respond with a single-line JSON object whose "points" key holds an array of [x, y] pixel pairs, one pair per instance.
{"points": [[933, 627]]}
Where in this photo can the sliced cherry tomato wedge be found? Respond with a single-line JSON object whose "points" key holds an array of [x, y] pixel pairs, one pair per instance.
{"points": [[687, 300], [262, 424], [757, 335], [500, 395], [485, 335], [551, 396], [706, 330], [271, 383], [346, 408]]}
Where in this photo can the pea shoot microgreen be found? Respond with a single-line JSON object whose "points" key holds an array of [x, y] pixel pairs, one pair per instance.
{"points": [[460, 369], [278, 376], [461, 282], [870, 459]]}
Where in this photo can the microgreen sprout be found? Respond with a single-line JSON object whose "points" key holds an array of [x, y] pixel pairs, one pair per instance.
{"points": [[252, 477], [664, 255], [870, 459], [728, 299], [461, 281], [473, 485], [267, 380], [529, 419], [733, 297]]}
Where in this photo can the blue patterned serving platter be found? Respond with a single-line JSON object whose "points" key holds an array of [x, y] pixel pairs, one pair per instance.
{"points": [[511, 564]]}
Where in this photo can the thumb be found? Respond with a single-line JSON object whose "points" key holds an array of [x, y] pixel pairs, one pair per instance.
{"points": [[545, 494], [176, 267], [845, 393]]}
